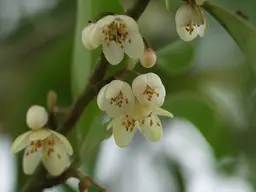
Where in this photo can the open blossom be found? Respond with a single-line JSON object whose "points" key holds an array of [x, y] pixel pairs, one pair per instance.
{"points": [[141, 114], [42, 144], [149, 90], [118, 34], [190, 21]]}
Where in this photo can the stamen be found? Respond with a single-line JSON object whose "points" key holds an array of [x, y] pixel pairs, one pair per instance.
{"points": [[119, 100], [116, 31], [150, 92]]}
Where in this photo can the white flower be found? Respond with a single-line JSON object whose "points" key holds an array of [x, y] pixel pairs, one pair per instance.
{"points": [[117, 34], [149, 90], [150, 126], [116, 98], [42, 144], [190, 22], [148, 58]]}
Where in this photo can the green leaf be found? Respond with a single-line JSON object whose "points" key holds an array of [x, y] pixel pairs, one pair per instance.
{"points": [[176, 57], [203, 113], [243, 32], [84, 62]]}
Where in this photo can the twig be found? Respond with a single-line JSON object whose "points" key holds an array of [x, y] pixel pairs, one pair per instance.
{"points": [[39, 180]]}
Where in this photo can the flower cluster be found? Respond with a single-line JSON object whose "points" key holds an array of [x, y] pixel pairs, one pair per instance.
{"points": [[190, 20], [136, 107], [43, 144]]}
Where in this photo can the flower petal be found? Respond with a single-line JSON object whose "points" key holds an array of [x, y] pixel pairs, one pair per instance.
{"points": [[161, 112], [119, 98], [151, 128], [55, 157], [139, 111], [134, 46], [130, 22], [124, 129], [101, 98], [149, 90], [188, 14], [185, 35], [20, 142], [31, 159], [202, 29], [105, 20], [91, 36], [113, 52], [64, 140], [40, 134]]}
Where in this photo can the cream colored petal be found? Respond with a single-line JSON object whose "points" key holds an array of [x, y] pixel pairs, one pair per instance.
{"points": [[139, 111], [123, 131], [134, 46], [20, 142], [91, 36], [119, 98], [55, 157], [101, 98], [202, 29], [151, 128], [40, 134], [105, 21], [162, 112], [65, 141], [31, 159], [185, 35], [187, 14], [130, 22], [113, 52]]}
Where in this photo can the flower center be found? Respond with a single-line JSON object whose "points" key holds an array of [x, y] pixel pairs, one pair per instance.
{"points": [[119, 100], [190, 28], [128, 123], [34, 146], [149, 91], [116, 31]]}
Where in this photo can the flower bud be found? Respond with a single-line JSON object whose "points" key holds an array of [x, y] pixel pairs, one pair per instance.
{"points": [[37, 117], [148, 58]]}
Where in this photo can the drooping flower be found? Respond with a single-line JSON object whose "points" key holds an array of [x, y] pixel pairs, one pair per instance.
{"points": [[116, 98], [118, 34], [149, 90], [52, 148], [148, 58], [142, 118], [190, 21]]}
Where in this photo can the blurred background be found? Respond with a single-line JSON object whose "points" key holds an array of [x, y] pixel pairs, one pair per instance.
{"points": [[210, 144]]}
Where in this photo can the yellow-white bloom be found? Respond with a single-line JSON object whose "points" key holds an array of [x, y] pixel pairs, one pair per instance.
{"points": [[116, 98], [142, 118], [118, 34], [190, 22], [42, 144], [149, 90]]}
